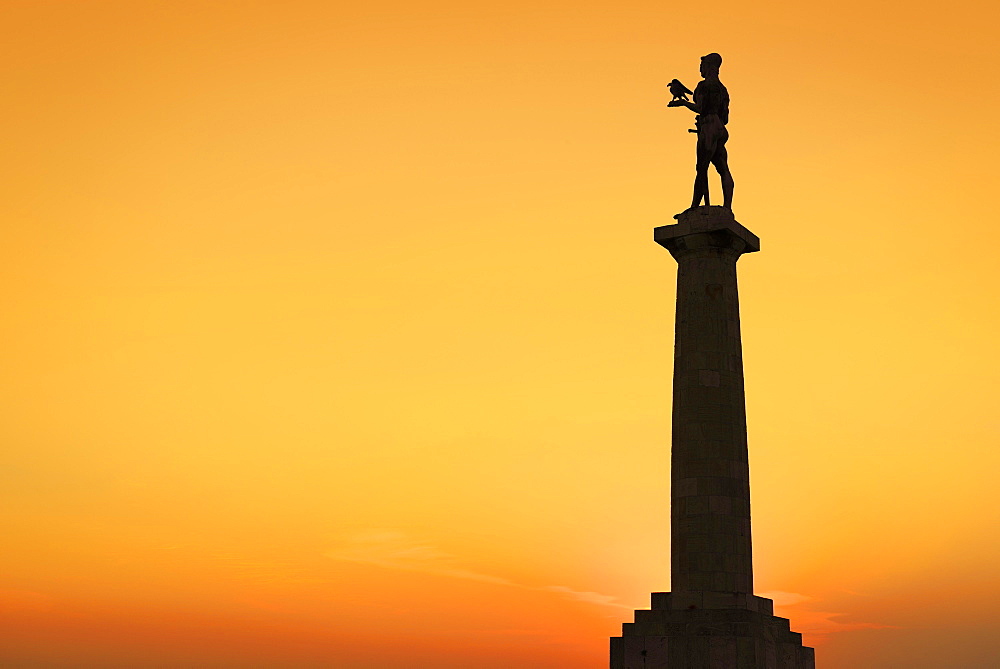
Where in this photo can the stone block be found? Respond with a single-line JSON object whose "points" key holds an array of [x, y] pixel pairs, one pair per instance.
{"points": [[709, 377], [764, 605], [681, 601], [699, 651], [723, 652], [660, 600], [724, 600], [746, 648], [617, 652], [657, 652], [695, 505], [635, 652], [684, 487], [771, 655]]}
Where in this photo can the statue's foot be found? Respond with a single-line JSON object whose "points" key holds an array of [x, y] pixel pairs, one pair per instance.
{"points": [[685, 211]]}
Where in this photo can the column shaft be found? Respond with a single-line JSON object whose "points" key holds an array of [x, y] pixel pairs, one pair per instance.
{"points": [[710, 477]]}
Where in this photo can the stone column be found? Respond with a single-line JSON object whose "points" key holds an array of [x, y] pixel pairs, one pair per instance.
{"points": [[710, 477], [711, 619]]}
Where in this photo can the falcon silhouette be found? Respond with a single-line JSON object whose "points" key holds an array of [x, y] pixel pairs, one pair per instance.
{"points": [[678, 90]]}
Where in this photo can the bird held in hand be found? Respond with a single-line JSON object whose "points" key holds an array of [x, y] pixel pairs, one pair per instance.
{"points": [[678, 90]]}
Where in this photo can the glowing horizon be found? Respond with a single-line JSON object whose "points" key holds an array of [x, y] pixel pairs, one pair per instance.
{"points": [[336, 336]]}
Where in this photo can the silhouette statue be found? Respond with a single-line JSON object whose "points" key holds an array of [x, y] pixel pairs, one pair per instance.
{"points": [[711, 104]]}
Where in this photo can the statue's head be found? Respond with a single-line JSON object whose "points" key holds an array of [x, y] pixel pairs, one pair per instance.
{"points": [[710, 65]]}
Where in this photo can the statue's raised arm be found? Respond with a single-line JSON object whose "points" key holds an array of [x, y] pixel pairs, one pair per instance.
{"points": [[711, 104]]}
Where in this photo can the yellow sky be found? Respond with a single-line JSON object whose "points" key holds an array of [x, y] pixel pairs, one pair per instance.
{"points": [[336, 336]]}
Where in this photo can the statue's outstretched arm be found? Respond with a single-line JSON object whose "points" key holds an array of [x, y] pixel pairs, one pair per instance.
{"points": [[685, 103]]}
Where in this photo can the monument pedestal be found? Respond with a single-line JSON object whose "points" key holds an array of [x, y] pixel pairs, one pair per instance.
{"points": [[712, 619], [745, 635]]}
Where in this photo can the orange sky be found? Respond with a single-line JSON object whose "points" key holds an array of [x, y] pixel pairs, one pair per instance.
{"points": [[336, 337]]}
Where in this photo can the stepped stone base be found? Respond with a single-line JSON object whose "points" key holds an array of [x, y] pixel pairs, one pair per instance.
{"points": [[709, 630]]}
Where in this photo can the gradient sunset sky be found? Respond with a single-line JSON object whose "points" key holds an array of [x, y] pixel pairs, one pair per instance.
{"points": [[334, 334]]}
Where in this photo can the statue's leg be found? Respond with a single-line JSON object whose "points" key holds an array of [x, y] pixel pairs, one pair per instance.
{"points": [[721, 162], [700, 185], [707, 144]]}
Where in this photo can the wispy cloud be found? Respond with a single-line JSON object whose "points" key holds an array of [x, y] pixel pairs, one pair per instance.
{"points": [[392, 549], [816, 624], [784, 598], [395, 550], [584, 596]]}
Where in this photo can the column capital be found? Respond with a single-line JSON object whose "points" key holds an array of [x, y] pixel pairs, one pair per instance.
{"points": [[703, 227]]}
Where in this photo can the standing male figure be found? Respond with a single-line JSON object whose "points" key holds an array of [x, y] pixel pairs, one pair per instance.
{"points": [[711, 103]]}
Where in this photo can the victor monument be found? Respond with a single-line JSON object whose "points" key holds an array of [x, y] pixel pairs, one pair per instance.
{"points": [[710, 619]]}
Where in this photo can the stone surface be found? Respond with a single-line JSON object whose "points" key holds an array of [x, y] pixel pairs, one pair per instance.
{"points": [[731, 630], [711, 618], [710, 478]]}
